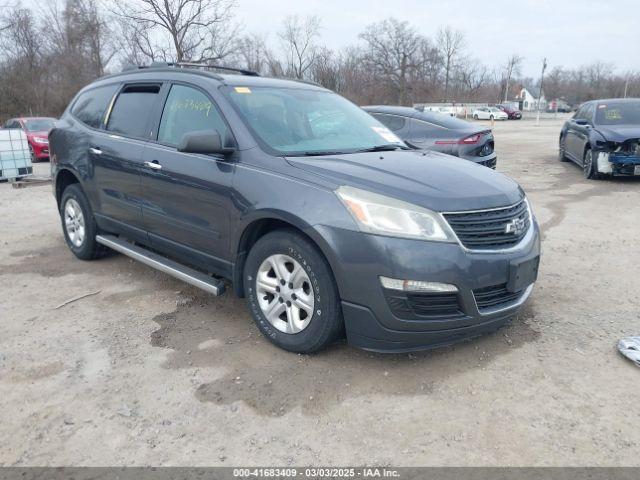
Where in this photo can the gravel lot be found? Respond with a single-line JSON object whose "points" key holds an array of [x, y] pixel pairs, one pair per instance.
{"points": [[150, 371]]}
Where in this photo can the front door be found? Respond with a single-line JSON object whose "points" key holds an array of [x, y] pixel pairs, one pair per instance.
{"points": [[187, 197]]}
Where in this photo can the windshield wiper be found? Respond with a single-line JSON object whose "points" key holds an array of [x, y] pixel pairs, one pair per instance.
{"points": [[316, 154], [389, 147]]}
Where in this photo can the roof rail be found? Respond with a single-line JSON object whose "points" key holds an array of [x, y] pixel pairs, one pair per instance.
{"points": [[204, 66]]}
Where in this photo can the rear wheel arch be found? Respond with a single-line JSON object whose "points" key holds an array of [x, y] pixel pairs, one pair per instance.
{"points": [[64, 178]]}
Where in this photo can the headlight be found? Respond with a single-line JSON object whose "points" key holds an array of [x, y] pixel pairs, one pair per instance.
{"points": [[42, 140], [375, 213]]}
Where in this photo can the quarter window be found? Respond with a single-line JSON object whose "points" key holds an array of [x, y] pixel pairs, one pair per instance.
{"points": [[132, 110], [188, 110], [91, 105]]}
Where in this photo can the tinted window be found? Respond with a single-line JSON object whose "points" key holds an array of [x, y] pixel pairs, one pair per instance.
{"points": [[188, 110], [392, 122], [445, 121], [133, 107], [92, 104], [618, 113]]}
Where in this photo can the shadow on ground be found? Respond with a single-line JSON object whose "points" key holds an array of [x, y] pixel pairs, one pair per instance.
{"points": [[218, 332]]}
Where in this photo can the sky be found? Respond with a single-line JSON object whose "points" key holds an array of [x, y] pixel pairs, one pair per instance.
{"points": [[569, 33]]}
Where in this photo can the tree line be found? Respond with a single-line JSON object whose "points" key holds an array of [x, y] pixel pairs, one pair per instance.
{"points": [[46, 56]]}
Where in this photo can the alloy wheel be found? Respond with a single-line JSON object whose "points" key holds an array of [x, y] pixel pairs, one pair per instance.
{"points": [[587, 164], [285, 293], [74, 222]]}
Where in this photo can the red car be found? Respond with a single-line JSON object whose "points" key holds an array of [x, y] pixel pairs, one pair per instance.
{"points": [[511, 113], [37, 131]]}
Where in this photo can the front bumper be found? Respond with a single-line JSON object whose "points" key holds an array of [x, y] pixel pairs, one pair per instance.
{"points": [[40, 150], [358, 260], [618, 164]]}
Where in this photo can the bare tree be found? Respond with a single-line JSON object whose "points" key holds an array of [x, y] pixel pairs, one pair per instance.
{"points": [[299, 41], [451, 44], [177, 30], [392, 49], [512, 67]]}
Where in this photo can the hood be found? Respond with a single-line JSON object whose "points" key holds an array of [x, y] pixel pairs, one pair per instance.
{"points": [[618, 133], [44, 134], [430, 179]]}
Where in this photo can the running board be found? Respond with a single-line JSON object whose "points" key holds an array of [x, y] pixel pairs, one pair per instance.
{"points": [[175, 269]]}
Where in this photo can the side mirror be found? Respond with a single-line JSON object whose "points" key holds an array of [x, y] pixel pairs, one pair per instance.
{"points": [[203, 141], [582, 121]]}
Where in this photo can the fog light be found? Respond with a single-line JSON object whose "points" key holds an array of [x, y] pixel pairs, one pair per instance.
{"points": [[416, 285]]}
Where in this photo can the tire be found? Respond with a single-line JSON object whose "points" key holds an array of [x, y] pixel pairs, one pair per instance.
{"points": [[33, 155], [79, 225], [475, 117], [297, 329], [561, 155], [589, 167]]}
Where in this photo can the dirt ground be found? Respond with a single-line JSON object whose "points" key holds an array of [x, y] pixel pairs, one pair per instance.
{"points": [[149, 371]]}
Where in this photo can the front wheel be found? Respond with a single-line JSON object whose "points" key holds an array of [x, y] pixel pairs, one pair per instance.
{"points": [[562, 156], [291, 292], [78, 224], [589, 166]]}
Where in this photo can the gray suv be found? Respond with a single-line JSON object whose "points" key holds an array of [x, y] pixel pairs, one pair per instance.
{"points": [[319, 215]]}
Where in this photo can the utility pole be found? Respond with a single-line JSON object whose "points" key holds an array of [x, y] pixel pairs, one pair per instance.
{"points": [[626, 86], [544, 67]]}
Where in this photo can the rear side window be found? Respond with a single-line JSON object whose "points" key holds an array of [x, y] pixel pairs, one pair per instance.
{"points": [[188, 110], [91, 105], [133, 108], [392, 122]]}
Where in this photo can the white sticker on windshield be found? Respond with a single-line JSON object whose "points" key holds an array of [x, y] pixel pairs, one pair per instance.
{"points": [[387, 134]]}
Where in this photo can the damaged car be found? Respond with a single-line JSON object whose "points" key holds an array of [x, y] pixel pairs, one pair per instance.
{"points": [[603, 137]]}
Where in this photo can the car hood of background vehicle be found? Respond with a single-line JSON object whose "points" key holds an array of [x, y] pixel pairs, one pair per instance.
{"points": [[619, 133], [430, 179], [43, 134]]}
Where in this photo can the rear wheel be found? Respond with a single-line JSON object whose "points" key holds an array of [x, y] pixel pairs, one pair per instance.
{"points": [[589, 166], [291, 292], [475, 116], [78, 224]]}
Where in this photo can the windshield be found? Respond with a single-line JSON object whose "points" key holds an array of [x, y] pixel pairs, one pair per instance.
{"points": [[291, 121], [618, 113], [39, 124]]}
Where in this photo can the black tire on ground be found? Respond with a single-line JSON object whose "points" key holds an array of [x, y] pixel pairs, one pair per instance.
{"points": [[33, 155], [475, 117], [88, 249], [589, 166], [326, 324], [561, 155]]}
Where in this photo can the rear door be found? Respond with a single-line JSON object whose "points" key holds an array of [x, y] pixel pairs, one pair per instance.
{"points": [[187, 197], [117, 156]]}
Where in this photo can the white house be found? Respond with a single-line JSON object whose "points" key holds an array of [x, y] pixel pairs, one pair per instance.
{"points": [[528, 101]]}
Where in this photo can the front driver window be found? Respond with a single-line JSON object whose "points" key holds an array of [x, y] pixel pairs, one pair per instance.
{"points": [[188, 110]]}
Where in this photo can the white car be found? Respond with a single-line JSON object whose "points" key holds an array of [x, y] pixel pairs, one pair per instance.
{"points": [[489, 113]]}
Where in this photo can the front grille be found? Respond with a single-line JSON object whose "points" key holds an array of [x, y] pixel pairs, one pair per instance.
{"points": [[495, 296], [491, 229], [423, 305]]}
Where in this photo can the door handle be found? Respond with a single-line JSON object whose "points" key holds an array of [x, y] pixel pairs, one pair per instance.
{"points": [[95, 151], [154, 165]]}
